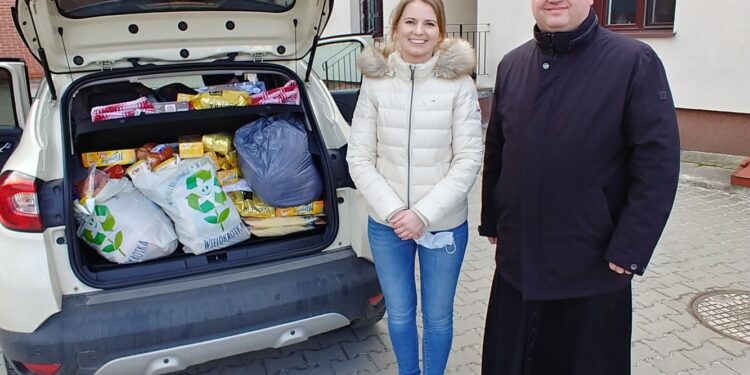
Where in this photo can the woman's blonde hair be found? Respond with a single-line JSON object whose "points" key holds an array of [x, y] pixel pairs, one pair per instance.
{"points": [[437, 6]]}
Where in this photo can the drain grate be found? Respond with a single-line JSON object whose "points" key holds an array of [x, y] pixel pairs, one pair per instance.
{"points": [[726, 312]]}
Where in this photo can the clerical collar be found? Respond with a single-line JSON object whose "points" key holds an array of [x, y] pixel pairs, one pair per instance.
{"points": [[564, 42]]}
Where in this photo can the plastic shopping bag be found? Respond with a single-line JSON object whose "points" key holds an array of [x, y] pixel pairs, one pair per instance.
{"points": [[275, 159], [122, 225], [205, 218]]}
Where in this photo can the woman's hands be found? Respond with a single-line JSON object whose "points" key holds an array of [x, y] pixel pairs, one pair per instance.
{"points": [[407, 225]]}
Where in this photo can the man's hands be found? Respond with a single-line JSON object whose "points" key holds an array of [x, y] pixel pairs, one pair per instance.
{"points": [[618, 269], [407, 225], [493, 240]]}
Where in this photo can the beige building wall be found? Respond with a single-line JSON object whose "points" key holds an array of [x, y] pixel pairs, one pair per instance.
{"points": [[706, 60]]}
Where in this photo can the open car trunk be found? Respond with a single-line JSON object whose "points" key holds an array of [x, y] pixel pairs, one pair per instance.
{"points": [[161, 85]]}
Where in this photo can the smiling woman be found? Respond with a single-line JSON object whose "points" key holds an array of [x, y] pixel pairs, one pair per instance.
{"points": [[95, 8]]}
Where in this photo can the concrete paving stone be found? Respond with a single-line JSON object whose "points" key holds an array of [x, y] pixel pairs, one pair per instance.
{"points": [[684, 320], [464, 356], [331, 338], [310, 344], [255, 368], [649, 297], [674, 363], [665, 325], [467, 310], [323, 369], [640, 352], [274, 365], [645, 368], [658, 310], [707, 353], [678, 290], [640, 334], [697, 336], [471, 338], [739, 364], [361, 364], [734, 347], [667, 344], [468, 369], [716, 368], [475, 322], [384, 361], [322, 356], [370, 344]]}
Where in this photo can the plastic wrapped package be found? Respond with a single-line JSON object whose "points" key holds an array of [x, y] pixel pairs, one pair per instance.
{"points": [[120, 223], [189, 192], [274, 157]]}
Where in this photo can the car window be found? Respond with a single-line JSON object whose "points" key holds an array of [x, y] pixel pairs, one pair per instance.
{"points": [[7, 110], [95, 8], [336, 65]]}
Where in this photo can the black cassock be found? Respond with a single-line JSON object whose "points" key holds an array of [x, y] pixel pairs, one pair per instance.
{"points": [[581, 336]]}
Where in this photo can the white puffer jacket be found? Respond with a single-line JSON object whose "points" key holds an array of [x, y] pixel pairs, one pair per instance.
{"points": [[416, 136]]}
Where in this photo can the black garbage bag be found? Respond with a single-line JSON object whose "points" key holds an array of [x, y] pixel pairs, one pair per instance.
{"points": [[275, 160]]}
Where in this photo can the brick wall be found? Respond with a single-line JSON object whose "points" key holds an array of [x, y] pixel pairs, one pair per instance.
{"points": [[11, 44]]}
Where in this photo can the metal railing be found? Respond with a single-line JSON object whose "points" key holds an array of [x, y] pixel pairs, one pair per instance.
{"points": [[340, 70]]}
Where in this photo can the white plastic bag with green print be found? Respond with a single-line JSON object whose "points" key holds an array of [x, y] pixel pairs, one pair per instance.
{"points": [[123, 226], [189, 192]]}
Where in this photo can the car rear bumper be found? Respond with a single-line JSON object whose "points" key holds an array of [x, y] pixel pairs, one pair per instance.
{"points": [[172, 325]]}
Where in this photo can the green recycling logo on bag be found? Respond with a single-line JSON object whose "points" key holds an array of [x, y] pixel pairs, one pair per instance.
{"points": [[104, 221], [206, 194]]}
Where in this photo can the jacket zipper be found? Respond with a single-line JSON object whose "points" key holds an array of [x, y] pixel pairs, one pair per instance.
{"points": [[408, 142]]}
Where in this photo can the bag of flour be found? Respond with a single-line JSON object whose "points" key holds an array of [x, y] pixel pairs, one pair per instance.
{"points": [[204, 217], [123, 226]]}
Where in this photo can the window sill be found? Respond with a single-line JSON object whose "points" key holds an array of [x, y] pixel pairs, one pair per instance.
{"points": [[646, 33]]}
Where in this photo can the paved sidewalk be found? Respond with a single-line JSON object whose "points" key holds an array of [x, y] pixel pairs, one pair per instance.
{"points": [[706, 246]]}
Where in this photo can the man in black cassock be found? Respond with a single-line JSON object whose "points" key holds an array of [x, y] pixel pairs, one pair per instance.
{"points": [[580, 174]]}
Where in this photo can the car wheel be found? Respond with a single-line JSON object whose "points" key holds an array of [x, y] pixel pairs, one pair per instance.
{"points": [[368, 321], [9, 370]]}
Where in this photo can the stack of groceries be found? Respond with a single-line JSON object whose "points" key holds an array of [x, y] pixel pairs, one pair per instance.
{"points": [[230, 95], [135, 205]]}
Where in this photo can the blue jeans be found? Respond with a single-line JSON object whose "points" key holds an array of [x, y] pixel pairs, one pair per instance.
{"points": [[439, 268]]}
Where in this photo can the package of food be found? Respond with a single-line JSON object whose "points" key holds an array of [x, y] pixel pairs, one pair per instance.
{"points": [[241, 186], [167, 163], [250, 205], [122, 225], [107, 158], [122, 110], [190, 146], [169, 107], [221, 143], [154, 154], [190, 194], [312, 208], [280, 226], [232, 159], [228, 177], [137, 168], [287, 94], [217, 99], [251, 87], [115, 171]]}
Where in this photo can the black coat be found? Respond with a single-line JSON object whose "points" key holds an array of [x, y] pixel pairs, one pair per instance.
{"points": [[581, 162]]}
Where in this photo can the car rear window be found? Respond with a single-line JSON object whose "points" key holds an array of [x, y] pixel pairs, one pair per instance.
{"points": [[96, 8]]}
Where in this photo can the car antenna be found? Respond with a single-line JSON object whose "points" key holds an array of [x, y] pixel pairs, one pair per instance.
{"points": [[42, 55], [67, 61]]}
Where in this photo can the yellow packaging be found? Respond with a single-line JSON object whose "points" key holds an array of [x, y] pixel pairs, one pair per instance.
{"points": [[107, 158], [218, 99], [185, 97], [312, 208], [167, 163], [251, 207], [190, 147], [232, 158], [220, 143], [228, 177], [214, 158], [136, 169]]}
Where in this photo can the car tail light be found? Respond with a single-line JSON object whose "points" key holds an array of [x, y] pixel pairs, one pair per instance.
{"points": [[19, 209], [42, 369], [375, 300]]}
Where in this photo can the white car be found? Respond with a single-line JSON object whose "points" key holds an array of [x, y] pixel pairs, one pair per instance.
{"points": [[64, 309]]}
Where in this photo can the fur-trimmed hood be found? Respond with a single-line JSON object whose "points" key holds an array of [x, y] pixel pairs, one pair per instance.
{"points": [[453, 59]]}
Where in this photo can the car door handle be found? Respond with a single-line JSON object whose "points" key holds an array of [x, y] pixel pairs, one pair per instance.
{"points": [[6, 148]]}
